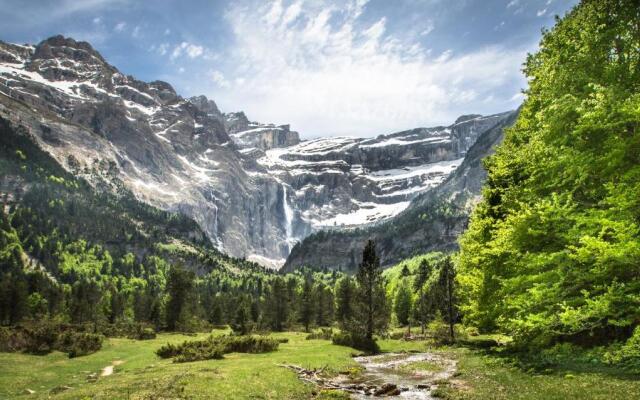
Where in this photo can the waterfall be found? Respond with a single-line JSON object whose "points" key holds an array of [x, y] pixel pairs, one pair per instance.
{"points": [[216, 229], [288, 217]]}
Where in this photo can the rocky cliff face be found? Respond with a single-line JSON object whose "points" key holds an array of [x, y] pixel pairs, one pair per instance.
{"points": [[255, 189], [433, 220]]}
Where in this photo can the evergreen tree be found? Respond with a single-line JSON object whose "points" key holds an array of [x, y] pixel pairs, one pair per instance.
{"points": [[307, 308], [241, 324], [371, 314], [277, 304], [324, 302], [422, 308], [446, 290], [344, 297], [180, 283]]}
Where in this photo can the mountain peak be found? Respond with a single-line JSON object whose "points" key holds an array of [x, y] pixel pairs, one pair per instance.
{"points": [[66, 47]]}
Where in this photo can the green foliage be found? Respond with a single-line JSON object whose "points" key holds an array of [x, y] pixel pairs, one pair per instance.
{"points": [[344, 296], [628, 354], [79, 343], [214, 347], [402, 304], [551, 252], [44, 337], [371, 311], [180, 283], [356, 341], [322, 333]]}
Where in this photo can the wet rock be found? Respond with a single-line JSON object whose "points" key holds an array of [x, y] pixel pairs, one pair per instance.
{"points": [[29, 391], [387, 390]]}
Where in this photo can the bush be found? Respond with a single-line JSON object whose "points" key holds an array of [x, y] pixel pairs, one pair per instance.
{"points": [[628, 354], [214, 347], [357, 342], [79, 343], [41, 339], [131, 330], [168, 350], [142, 332], [45, 337], [323, 333], [440, 331]]}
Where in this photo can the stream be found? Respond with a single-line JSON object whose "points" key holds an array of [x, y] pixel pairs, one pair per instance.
{"points": [[392, 375]]}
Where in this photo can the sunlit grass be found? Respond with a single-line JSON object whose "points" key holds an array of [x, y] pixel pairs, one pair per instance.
{"points": [[143, 375]]}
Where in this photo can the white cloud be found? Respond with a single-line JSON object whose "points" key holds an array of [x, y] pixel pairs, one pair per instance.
{"points": [[321, 68], [219, 79], [167, 32], [542, 12], [513, 3], [120, 26], [428, 29], [97, 20], [163, 49], [136, 31], [189, 49]]}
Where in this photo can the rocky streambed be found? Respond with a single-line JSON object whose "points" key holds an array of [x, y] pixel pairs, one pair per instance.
{"points": [[401, 375]]}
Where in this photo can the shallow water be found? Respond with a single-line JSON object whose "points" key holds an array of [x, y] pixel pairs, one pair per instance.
{"points": [[386, 369]]}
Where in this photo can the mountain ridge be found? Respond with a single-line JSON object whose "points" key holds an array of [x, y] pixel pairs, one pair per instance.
{"points": [[255, 189]]}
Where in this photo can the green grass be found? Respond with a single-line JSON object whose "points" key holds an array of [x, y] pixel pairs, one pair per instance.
{"points": [[421, 366], [485, 376], [143, 375]]}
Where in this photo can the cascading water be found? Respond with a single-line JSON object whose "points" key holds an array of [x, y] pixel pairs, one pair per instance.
{"points": [[288, 218]]}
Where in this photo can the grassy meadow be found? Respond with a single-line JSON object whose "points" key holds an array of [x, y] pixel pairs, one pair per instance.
{"points": [[140, 374]]}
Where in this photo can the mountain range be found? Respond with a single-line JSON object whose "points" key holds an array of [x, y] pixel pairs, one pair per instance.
{"points": [[256, 189]]}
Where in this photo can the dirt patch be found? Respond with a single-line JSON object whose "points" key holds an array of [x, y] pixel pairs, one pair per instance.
{"points": [[108, 370]]}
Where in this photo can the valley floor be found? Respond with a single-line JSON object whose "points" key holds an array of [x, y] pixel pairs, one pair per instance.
{"points": [[132, 371]]}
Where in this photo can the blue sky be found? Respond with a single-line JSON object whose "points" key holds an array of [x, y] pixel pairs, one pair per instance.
{"points": [[334, 67]]}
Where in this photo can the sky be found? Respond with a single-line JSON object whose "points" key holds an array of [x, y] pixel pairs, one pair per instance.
{"points": [[327, 67]]}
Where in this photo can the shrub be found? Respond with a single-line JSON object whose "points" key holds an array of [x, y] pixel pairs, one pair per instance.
{"points": [[41, 339], [323, 333], [628, 354], [168, 350], [440, 331], [44, 337], [357, 342], [214, 347], [141, 332], [79, 343]]}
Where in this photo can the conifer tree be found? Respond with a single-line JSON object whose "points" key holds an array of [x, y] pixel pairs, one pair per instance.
{"points": [[344, 297], [371, 314], [180, 282], [307, 304]]}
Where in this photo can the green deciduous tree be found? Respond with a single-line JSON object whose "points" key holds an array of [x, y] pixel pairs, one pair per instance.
{"points": [[551, 252], [402, 304]]}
